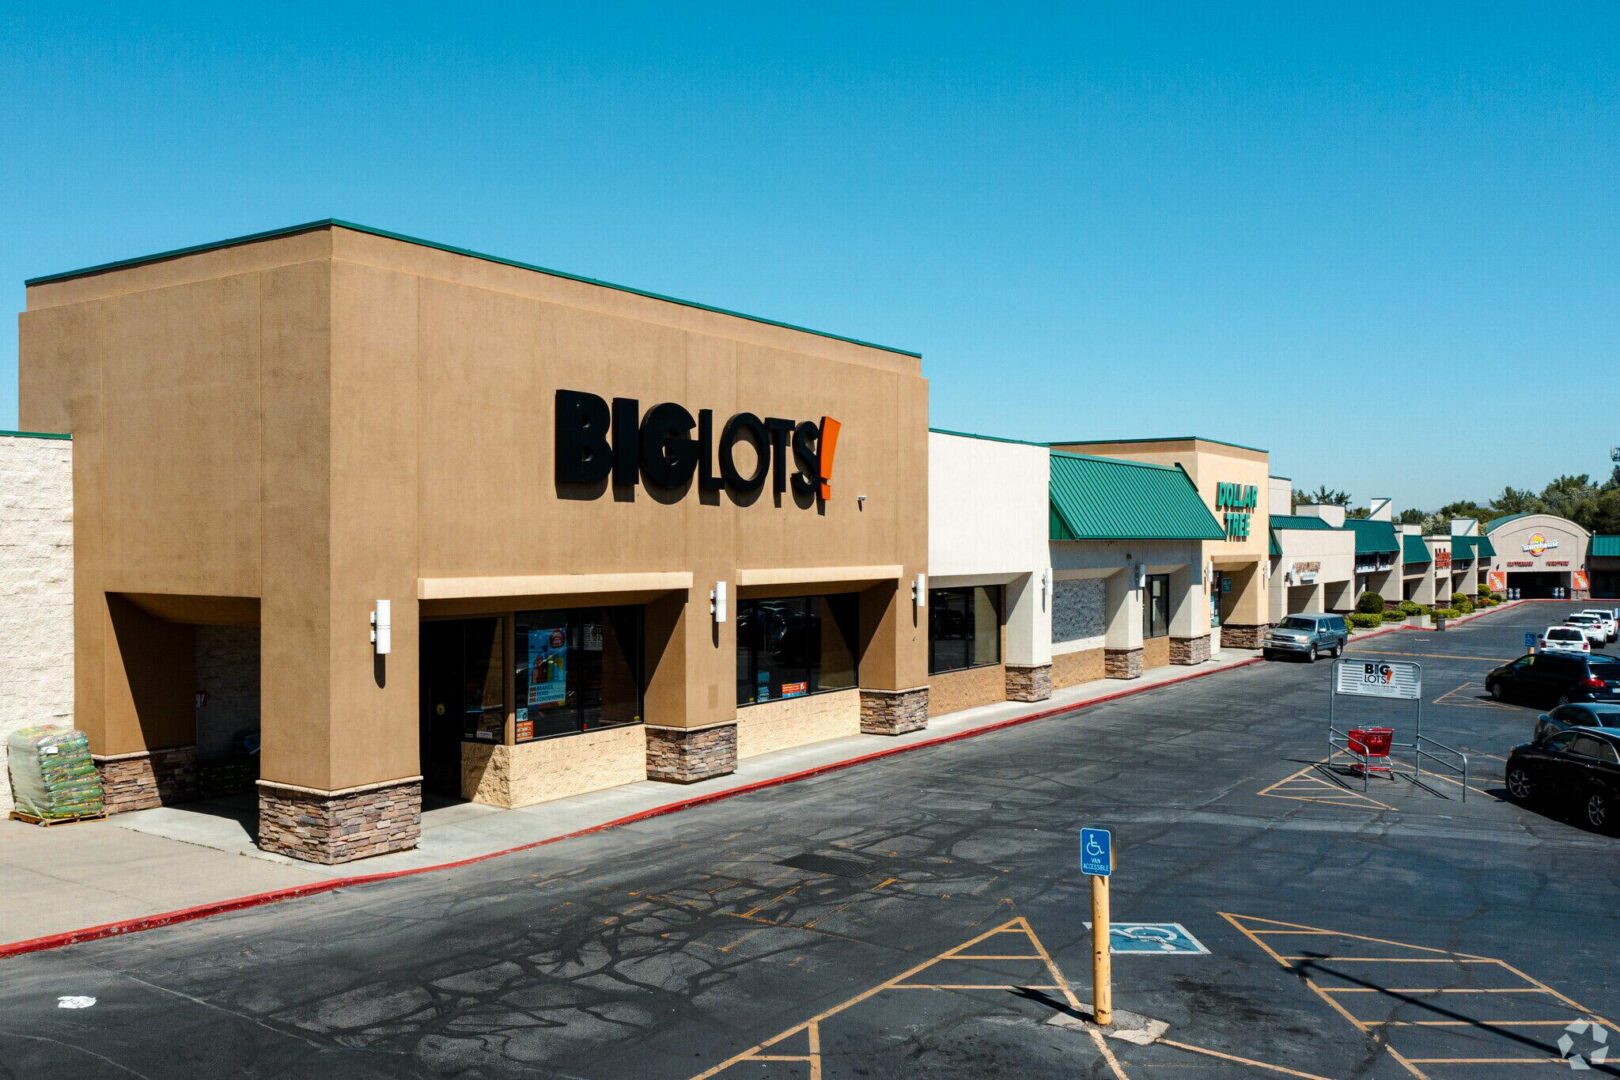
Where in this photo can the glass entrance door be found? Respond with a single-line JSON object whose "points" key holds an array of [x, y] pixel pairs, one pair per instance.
{"points": [[463, 695]]}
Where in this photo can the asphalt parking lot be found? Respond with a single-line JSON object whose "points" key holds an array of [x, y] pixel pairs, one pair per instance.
{"points": [[924, 915]]}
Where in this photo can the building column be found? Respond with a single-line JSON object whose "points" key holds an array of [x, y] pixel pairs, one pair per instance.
{"points": [[143, 726], [340, 768], [1246, 623], [1122, 631], [691, 700], [1189, 616], [894, 660], [1028, 659]]}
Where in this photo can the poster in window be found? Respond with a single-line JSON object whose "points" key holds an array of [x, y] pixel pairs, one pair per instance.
{"points": [[795, 689], [763, 693], [548, 666]]}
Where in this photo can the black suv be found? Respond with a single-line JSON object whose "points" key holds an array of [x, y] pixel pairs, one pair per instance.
{"points": [[1581, 765], [1554, 677]]}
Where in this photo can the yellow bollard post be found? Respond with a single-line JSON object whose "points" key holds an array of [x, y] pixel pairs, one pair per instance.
{"points": [[1102, 975]]}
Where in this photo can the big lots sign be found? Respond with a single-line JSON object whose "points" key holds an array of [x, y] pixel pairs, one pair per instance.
{"points": [[595, 441]]}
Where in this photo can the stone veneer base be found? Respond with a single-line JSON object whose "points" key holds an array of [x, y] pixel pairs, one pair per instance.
{"points": [[685, 756], [1029, 683], [1122, 663], [1193, 650], [893, 712], [340, 826], [149, 778], [1240, 636]]}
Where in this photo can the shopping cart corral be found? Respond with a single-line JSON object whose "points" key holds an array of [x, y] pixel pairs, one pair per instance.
{"points": [[1372, 749]]}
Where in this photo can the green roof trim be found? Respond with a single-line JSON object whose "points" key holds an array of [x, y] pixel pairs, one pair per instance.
{"points": [[986, 438], [1298, 521], [1483, 548], [37, 435], [1167, 438], [1496, 523], [1462, 547], [327, 223], [1414, 550], [1606, 545], [1095, 498], [1374, 537]]}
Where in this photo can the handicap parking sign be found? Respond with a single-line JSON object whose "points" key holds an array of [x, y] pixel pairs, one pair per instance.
{"points": [[1096, 852], [1152, 939], [1529, 639]]}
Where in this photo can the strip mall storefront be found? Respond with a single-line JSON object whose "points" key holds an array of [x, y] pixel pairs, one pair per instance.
{"points": [[443, 521], [1540, 555], [1233, 482]]}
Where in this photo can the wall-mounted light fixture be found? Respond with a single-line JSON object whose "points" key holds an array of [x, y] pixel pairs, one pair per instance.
{"points": [[382, 627], [1209, 575], [1141, 575], [717, 602], [919, 591], [1046, 586]]}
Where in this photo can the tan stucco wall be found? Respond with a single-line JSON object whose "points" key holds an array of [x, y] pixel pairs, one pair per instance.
{"points": [[954, 690], [325, 419], [1155, 652], [547, 769], [1072, 669], [780, 725]]}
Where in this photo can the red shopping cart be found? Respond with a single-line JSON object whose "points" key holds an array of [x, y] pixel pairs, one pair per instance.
{"points": [[1370, 745]]}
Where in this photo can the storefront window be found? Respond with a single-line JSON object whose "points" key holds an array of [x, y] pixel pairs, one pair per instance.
{"points": [[1156, 606], [793, 646], [578, 669], [462, 677], [964, 628]]}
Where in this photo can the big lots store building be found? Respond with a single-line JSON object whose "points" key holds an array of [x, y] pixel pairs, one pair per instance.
{"points": [[344, 519]]}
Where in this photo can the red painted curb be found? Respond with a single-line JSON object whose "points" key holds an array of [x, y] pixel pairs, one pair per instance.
{"points": [[239, 903]]}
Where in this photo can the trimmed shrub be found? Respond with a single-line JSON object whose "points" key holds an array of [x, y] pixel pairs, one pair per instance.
{"points": [[1366, 620], [1411, 608], [1498, 597], [1370, 603], [1483, 590], [1445, 613], [1394, 615]]}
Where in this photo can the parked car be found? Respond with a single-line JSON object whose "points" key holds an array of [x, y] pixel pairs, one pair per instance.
{"points": [[1307, 636], [1605, 714], [1581, 765], [1556, 677], [1565, 639], [1611, 625], [1590, 626]]}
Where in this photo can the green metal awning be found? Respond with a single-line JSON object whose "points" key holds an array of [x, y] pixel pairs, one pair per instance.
{"points": [[1414, 550], [1294, 521], [1606, 546], [1462, 548], [1484, 548], [1496, 523], [1095, 498], [1374, 537]]}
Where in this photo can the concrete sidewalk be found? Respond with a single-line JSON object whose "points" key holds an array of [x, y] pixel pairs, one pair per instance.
{"points": [[133, 866]]}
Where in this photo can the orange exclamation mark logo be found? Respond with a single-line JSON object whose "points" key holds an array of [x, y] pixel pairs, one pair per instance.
{"points": [[827, 446]]}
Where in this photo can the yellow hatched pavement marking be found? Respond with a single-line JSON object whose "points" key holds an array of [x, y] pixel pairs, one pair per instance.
{"points": [[963, 952], [1308, 785], [1264, 928]]}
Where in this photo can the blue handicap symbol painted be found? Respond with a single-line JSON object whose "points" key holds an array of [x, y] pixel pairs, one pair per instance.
{"points": [[1152, 939], [1529, 639], [1096, 852]]}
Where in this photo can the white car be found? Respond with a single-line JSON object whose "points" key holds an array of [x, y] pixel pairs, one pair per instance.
{"points": [[1565, 639], [1606, 617], [1589, 625]]}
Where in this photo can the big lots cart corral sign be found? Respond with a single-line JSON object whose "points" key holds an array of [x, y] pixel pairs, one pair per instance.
{"points": [[1377, 678]]}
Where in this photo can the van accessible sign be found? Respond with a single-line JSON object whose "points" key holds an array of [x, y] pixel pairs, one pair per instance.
{"points": [[1376, 678]]}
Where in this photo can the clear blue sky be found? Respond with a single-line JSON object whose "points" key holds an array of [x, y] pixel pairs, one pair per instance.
{"points": [[1381, 241]]}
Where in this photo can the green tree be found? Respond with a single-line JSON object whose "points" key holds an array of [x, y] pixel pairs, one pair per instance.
{"points": [[1565, 495], [1411, 516], [1517, 501], [1326, 496]]}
